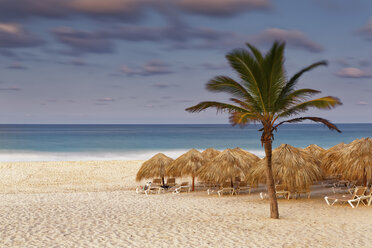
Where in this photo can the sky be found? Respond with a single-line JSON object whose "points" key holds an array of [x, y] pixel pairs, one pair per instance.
{"points": [[145, 61]]}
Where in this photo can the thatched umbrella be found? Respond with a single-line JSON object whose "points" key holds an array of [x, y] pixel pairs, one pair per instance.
{"points": [[187, 165], [210, 153], [154, 167], [355, 161], [224, 167], [291, 166], [330, 156], [250, 157], [316, 151]]}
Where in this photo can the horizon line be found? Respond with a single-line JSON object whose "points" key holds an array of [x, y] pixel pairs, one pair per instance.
{"points": [[172, 123]]}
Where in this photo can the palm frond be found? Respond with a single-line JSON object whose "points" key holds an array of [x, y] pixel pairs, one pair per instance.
{"points": [[295, 97], [293, 80], [327, 123], [303, 93], [229, 85], [246, 67], [290, 85], [251, 107], [242, 119], [327, 102], [221, 107], [274, 69]]}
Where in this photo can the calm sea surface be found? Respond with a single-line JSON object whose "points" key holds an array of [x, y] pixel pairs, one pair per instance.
{"points": [[96, 142]]}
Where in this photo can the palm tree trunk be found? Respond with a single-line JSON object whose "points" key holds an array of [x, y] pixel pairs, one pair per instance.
{"points": [[193, 183], [270, 184]]}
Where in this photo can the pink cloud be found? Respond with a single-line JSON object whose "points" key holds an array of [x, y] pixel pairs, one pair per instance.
{"points": [[352, 72], [293, 38]]}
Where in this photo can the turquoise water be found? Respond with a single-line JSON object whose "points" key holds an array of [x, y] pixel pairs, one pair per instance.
{"points": [[86, 142]]}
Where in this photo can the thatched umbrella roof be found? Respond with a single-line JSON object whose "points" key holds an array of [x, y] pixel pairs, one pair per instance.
{"points": [[315, 150], [224, 167], [355, 161], [247, 156], [291, 166], [187, 165], [330, 157], [210, 153], [154, 167]]}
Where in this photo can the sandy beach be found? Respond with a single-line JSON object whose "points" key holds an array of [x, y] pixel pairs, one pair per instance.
{"points": [[93, 204]]}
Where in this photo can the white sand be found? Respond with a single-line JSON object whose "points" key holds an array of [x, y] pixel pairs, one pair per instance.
{"points": [[72, 216]]}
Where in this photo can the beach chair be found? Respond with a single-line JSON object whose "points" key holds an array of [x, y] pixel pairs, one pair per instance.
{"points": [[354, 198], [343, 186], [226, 188], [143, 189], [298, 192], [213, 188], [367, 199], [156, 182], [205, 184], [184, 187], [156, 186], [171, 182], [243, 187], [282, 191]]}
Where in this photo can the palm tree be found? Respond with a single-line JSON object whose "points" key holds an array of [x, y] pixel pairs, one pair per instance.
{"points": [[265, 95]]}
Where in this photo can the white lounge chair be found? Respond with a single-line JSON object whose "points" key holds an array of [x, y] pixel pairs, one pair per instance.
{"points": [[367, 199], [298, 192], [226, 188], [155, 186], [354, 198], [243, 187], [184, 187], [213, 188], [282, 191], [143, 189]]}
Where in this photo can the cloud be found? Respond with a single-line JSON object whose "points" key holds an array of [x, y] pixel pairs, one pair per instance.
{"points": [[15, 36], [7, 53], [13, 88], [363, 103], [293, 38], [221, 8], [82, 41], [178, 33], [127, 10], [212, 66], [57, 9], [106, 99], [154, 67], [16, 66], [364, 62], [74, 62], [352, 72], [164, 85], [366, 30]]}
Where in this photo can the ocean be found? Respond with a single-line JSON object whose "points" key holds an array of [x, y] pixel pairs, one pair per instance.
{"points": [[140, 142]]}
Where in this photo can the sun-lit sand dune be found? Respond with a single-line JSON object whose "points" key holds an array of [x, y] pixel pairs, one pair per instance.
{"points": [[93, 204]]}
